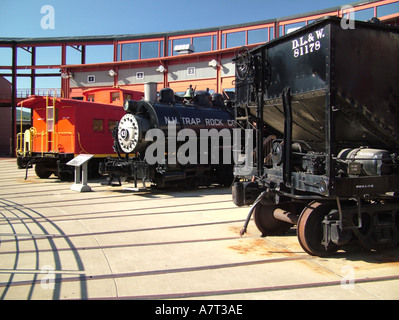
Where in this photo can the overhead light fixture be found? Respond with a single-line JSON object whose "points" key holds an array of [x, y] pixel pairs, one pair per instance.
{"points": [[161, 69], [213, 63], [66, 75], [112, 73]]}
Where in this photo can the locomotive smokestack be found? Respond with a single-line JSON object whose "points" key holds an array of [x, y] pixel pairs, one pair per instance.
{"points": [[150, 91]]}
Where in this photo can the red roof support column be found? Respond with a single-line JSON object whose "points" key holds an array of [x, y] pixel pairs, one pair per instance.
{"points": [[14, 100]]}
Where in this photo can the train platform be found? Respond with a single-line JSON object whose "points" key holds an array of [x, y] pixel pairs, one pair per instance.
{"points": [[113, 243]]}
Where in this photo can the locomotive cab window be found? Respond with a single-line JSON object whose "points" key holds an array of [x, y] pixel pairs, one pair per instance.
{"points": [[98, 125]]}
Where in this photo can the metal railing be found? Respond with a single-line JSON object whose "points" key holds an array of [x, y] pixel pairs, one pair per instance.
{"points": [[26, 92]]}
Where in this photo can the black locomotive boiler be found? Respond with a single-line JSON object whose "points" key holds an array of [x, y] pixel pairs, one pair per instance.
{"points": [[324, 102], [173, 141]]}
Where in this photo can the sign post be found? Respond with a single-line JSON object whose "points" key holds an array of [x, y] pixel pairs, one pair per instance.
{"points": [[81, 161]]}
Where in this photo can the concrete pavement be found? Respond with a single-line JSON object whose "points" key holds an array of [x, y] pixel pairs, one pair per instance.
{"points": [[117, 244]]}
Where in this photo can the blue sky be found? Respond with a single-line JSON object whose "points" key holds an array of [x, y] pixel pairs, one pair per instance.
{"points": [[22, 18]]}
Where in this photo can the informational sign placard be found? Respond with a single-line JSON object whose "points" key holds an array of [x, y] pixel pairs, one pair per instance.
{"points": [[79, 160], [81, 171]]}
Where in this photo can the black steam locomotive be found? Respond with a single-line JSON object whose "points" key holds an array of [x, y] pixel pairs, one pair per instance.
{"points": [[173, 141], [324, 104]]}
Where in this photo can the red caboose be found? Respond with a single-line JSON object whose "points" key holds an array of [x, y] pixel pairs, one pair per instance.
{"points": [[64, 128]]}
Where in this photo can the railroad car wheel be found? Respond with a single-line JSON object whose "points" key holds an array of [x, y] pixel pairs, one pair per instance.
{"points": [[65, 176], [310, 229], [266, 223], [42, 171]]}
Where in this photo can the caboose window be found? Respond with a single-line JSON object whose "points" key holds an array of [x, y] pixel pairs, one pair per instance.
{"points": [[115, 96], [112, 124], [98, 125]]}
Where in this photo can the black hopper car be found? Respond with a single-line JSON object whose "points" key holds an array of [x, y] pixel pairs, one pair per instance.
{"points": [[324, 104], [165, 139]]}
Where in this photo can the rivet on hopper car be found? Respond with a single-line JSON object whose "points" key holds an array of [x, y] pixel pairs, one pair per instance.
{"points": [[130, 106]]}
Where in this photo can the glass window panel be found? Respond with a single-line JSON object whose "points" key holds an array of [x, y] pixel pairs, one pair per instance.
{"points": [[235, 39], [202, 44], [280, 31], [258, 35], [130, 51], [149, 50], [162, 49], [181, 41]]}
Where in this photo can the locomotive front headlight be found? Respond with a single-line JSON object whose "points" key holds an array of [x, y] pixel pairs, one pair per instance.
{"points": [[130, 106], [126, 105]]}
